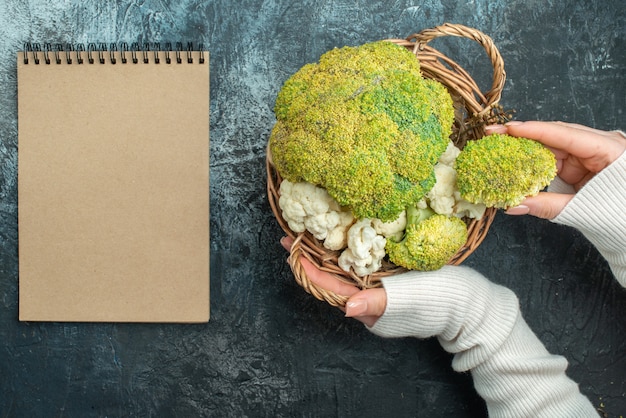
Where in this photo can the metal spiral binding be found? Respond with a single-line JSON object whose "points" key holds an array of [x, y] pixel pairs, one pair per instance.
{"points": [[96, 53]]}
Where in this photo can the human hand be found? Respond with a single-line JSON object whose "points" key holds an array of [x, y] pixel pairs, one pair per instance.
{"points": [[364, 305], [581, 153], [454, 303]]}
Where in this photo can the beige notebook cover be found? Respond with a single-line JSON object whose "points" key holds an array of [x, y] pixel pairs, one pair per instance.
{"points": [[113, 186]]}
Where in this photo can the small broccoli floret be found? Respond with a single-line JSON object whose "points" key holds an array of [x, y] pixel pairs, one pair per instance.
{"points": [[500, 170], [365, 125], [430, 240]]}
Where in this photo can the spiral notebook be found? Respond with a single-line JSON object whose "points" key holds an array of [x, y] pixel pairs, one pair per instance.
{"points": [[113, 183]]}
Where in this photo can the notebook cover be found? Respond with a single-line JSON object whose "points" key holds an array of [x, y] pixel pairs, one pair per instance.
{"points": [[113, 191]]}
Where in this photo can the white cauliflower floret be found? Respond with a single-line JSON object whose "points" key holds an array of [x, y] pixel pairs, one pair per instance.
{"points": [[366, 249], [337, 238], [392, 229], [441, 196], [444, 198], [449, 156], [308, 207], [464, 208]]}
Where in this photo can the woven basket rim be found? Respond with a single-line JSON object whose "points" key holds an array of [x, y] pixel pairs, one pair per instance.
{"points": [[474, 110]]}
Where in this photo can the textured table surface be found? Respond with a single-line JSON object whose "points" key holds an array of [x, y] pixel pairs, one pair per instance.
{"points": [[270, 349]]}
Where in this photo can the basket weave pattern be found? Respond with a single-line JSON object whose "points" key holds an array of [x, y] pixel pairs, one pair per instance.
{"points": [[473, 109]]}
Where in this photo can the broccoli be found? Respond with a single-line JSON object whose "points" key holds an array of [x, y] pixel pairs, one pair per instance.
{"points": [[500, 170], [429, 242], [365, 125]]}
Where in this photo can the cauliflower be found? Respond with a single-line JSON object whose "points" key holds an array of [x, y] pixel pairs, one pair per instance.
{"points": [[366, 249], [364, 124], [449, 156], [441, 196], [430, 241], [500, 170], [337, 238], [391, 229], [362, 143], [308, 207], [463, 208], [444, 198]]}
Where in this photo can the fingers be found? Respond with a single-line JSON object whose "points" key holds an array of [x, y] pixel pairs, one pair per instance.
{"points": [[601, 148], [577, 141], [364, 305], [286, 242], [319, 277], [544, 205], [496, 129], [326, 280]]}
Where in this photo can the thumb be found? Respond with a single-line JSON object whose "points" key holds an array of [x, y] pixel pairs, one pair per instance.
{"points": [[545, 205], [367, 305]]}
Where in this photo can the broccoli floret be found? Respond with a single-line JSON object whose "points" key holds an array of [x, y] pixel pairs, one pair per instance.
{"points": [[363, 124], [429, 242], [500, 170]]}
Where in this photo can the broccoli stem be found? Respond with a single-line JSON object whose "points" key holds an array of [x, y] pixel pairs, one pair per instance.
{"points": [[415, 215]]}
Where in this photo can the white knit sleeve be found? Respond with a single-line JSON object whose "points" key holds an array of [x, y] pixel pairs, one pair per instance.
{"points": [[480, 323], [558, 185], [598, 210]]}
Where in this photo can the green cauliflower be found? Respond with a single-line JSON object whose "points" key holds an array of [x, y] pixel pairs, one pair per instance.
{"points": [[365, 125], [430, 240], [500, 170]]}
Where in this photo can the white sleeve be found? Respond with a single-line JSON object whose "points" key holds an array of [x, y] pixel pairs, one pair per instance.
{"points": [[481, 324], [598, 210]]}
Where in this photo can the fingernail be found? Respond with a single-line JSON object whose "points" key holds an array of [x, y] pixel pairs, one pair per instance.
{"points": [[356, 307], [492, 127], [518, 210], [514, 123]]}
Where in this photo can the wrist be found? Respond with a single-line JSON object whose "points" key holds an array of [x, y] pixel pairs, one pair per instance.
{"points": [[470, 316], [597, 211]]}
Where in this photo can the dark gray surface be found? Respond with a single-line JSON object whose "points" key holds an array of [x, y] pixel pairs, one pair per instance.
{"points": [[270, 349]]}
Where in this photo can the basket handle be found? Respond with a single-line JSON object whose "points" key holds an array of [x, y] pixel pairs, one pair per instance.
{"points": [[449, 29], [303, 280]]}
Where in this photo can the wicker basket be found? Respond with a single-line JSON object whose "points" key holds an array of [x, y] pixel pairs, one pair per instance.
{"points": [[473, 110]]}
